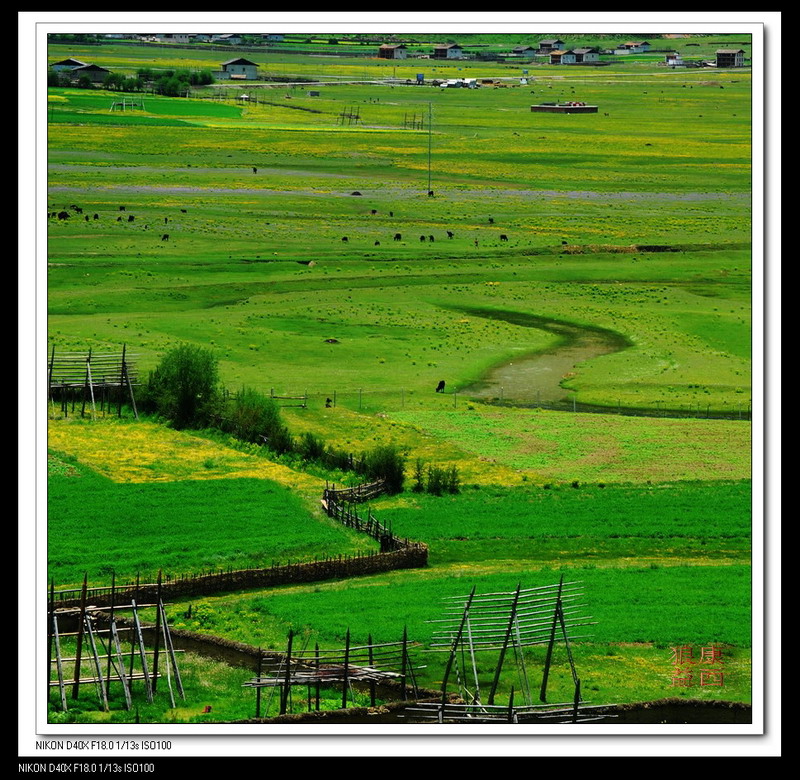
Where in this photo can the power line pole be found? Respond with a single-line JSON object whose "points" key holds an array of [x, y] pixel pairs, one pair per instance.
{"points": [[430, 128]]}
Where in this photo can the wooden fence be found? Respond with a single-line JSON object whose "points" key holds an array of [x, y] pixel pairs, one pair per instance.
{"points": [[395, 553]]}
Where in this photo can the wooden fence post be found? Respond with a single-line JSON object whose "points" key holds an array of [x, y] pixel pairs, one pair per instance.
{"points": [[346, 682], [158, 629], [287, 675], [77, 675]]}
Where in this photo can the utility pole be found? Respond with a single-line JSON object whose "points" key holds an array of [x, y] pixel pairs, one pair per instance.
{"points": [[430, 138]]}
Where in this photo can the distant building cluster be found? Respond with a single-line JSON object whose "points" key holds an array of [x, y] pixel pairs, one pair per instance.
{"points": [[551, 50], [76, 70]]}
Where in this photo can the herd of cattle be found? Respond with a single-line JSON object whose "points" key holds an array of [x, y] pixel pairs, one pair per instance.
{"points": [[64, 214]]}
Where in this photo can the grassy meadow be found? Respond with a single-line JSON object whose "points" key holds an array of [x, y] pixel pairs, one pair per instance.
{"points": [[232, 238]]}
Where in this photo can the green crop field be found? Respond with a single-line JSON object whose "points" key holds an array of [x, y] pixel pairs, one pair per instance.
{"points": [[581, 282]]}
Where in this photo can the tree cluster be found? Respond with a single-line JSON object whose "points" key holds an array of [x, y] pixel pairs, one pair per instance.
{"points": [[436, 480], [185, 390]]}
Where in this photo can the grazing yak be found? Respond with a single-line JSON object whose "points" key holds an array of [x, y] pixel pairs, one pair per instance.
{"points": [[344, 238], [422, 238], [440, 386], [165, 237], [503, 237], [63, 215], [449, 234], [398, 237], [131, 218]]}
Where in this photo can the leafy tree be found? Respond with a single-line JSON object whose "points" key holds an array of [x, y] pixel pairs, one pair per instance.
{"points": [[184, 387]]}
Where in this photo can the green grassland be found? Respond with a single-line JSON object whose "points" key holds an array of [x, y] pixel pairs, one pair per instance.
{"points": [[624, 657], [590, 523], [658, 526], [574, 194], [180, 527]]}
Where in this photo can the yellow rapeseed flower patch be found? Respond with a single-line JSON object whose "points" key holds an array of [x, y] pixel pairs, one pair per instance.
{"points": [[147, 452]]}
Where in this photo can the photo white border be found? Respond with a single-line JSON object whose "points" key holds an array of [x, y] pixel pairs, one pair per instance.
{"points": [[381, 741]]}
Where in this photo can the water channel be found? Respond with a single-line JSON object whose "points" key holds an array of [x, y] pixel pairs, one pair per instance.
{"points": [[537, 376]]}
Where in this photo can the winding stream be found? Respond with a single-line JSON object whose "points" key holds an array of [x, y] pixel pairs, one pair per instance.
{"points": [[537, 377]]}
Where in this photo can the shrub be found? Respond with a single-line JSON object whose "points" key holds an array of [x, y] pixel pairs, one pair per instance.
{"points": [[419, 477], [184, 387], [387, 463], [453, 483], [311, 447], [254, 417]]}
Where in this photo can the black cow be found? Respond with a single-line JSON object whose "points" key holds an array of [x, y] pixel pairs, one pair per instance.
{"points": [[63, 215], [166, 219], [491, 220], [119, 219], [344, 238], [398, 237], [86, 217], [96, 216], [430, 238], [122, 208], [391, 213], [503, 237], [430, 193], [131, 218], [255, 170], [449, 234], [422, 238], [377, 243], [183, 211], [440, 386], [373, 211], [165, 237]]}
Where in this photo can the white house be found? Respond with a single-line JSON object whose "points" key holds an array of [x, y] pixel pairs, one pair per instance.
{"points": [[632, 47], [173, 37], [238, 68], [95, 73], [393, 51], [586, 54], [68, 64], [730, 58], [550, 44], [231, 38], [447, 51], [561, 57]]}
